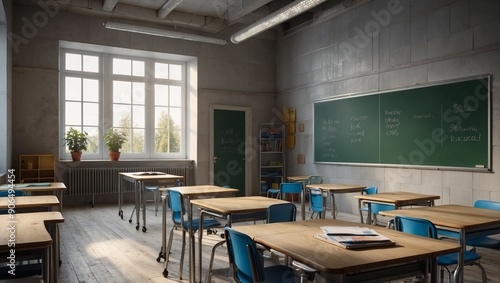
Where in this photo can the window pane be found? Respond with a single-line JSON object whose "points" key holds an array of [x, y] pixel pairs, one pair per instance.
{"points": [[122, 66], [73, 62], [175, 96], [138, 89], [73, 88], [93, 135], [138, 121], [175, 72], [121, 115], [161, 117], [138, 68], [138, 141], [91, 90], [122, 92], [175, 141], [161, 95], [161, 71], [73, 115], [161, 140], [91, 114], [90, 64], [176, 116]]}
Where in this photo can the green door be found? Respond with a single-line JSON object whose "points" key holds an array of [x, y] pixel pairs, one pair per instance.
{"points": [[229, 149]]}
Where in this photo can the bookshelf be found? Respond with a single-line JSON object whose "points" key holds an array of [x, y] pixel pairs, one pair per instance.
{"points": [[272, 156], [36, 168]]}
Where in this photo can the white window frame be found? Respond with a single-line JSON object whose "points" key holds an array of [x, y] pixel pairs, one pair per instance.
{"points": [[106, 55]]}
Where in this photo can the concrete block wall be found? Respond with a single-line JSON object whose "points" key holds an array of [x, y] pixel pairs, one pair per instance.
{"points": [[389, 44]]}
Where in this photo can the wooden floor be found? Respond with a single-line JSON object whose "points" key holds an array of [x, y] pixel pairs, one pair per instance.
{"points": [[98, 246]]}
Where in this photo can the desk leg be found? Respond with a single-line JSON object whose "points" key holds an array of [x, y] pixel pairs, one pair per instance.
{"points": [[143, 203], [200, 237], [303, 202], [334, 208], [458, 274], [137, 206], [163, 248], [120, 196], [47, 268], [192, 269], [369, 218]]}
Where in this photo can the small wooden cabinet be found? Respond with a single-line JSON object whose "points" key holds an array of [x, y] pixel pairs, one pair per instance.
{"points": [[36, 168], [272, 156]]}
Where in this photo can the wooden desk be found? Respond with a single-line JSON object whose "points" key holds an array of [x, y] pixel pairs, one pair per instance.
{"points": [[303, 180], [30, 234], [189, 192], [397, 199], [227, 208], [337, 188], [56, 188], [468, 221], [29, 202], [337, 264], [140, 180]]}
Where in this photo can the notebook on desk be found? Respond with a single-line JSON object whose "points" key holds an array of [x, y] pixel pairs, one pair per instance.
{"points": [[353, 237], [149, 173]]}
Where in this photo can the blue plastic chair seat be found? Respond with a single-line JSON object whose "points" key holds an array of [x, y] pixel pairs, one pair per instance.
{"points": [[451, 259], [208, 223]]}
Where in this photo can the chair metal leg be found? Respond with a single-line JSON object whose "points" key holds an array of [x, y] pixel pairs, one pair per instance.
{"points": [[167, 253], [208, 279]]}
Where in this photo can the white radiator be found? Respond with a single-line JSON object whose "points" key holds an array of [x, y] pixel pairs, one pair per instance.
{"points": [[92, 181]]}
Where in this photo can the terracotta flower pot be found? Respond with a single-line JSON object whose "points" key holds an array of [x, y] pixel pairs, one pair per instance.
{"points": [[114, 155], [76, 155]]}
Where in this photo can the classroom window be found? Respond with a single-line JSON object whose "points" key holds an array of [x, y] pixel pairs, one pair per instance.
{"points": [[143, 97]]}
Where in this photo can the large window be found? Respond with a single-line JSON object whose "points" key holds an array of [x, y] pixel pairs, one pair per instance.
{"points": [[142, 97]]}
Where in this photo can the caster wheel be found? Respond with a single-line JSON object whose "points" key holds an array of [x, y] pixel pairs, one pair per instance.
{"points": [[137, 227], [144, 229], [130, 221], [165, 273]]}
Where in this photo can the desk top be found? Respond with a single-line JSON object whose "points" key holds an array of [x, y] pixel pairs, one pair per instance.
{"points": [[30, 201], [397, 198], [452, 216], [337, 187], [296, 239], [247, 204], [298, 178], [142, 176], [30, 232], [37, 187], [200, 190]]}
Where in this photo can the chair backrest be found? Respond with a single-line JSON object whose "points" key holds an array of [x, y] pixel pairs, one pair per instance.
{"points": [[281, 212], [176, 204], [315, 179], [244, 257], [290, 188], [378, 207], [487, 204], [316, 200], [370, 191], [415, 226], [17, 193]]}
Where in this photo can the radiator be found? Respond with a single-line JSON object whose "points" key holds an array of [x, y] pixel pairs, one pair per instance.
{"points": [[92, 181]]}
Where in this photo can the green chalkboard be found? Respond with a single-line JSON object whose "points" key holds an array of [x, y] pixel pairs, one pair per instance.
{"points": [[440, 126]]}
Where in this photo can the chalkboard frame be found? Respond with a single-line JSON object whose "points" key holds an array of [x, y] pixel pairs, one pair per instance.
{"points": [[487, 124]]}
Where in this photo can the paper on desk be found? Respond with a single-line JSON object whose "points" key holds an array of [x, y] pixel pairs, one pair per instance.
{"points": [[348, 230]]}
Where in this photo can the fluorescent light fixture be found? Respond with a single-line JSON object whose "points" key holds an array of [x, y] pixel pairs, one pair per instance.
{"points": [[164, 33], [289, 11]]}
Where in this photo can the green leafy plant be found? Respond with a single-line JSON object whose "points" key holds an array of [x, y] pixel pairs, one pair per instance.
{"points": [[114, 139], [76, 140]]}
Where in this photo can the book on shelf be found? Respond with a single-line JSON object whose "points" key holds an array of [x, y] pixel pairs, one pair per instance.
{"points": [[353, 237]]}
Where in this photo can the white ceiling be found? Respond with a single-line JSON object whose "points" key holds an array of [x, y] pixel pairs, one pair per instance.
{"points": [[215, 18]]}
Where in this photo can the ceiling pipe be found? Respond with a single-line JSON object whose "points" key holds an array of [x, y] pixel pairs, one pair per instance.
{"points": [[109, 5], [274, 19]]}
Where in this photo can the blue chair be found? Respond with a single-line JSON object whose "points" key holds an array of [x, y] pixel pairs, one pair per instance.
{"points": [[271, 192], [248, 267], [425, 228], [364, 208], [316, 203], [290, 188], [281, 212], [176, 204], [156, 195]]}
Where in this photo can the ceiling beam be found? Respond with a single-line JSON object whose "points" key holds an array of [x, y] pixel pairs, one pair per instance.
{"points": [[109, 5], [240, 8], [168, 7]]}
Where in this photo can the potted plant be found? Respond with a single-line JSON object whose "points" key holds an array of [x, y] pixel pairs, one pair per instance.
{"points": [[114, 140], [76, 142]]}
